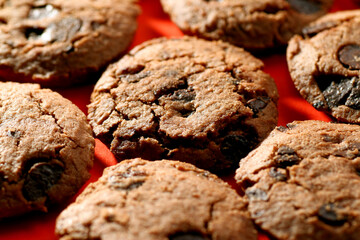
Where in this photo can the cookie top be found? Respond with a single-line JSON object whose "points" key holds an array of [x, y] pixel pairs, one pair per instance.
{"points": [[62, 42], [156, 200], [324, 64], [46, 145], [207, 103], [303, 181], [252, 24]]}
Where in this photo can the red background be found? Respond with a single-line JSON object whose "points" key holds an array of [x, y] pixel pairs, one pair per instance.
{"points": [[153, 22]]}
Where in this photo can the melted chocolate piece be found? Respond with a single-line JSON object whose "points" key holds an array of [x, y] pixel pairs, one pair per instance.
{"points": [[235, 147], [278, 174], [305, 6], [186, 95], [286, 157], [187, 236], [40, 178], [61, 31], [282, 128], [327, 214], [349, 56], [313, 30], [256, 194], [45, 11], [257, 104], [33, 33]]}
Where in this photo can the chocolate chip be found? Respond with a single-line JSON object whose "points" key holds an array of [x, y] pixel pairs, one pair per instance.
{"points": [[186, 95], [319, 104], [33, 32], [45, 11], [40, 178], [14, 134], [129, 180], [256, 194], [61, 31], [328, 214], [353, 100], [349, 56], [235, 147], [278, 174], [188, 236], [257, 104], [286, 157], [312, 30], [305, 6], [281, 128]]}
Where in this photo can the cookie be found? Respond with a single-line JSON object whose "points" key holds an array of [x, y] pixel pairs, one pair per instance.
{"points": [[156, 200], [197, 101], [324, 64], [60, 43], [252, 24], [303, 181], [47, 148]]}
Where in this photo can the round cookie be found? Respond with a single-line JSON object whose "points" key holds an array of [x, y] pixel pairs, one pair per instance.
{"points": [[60, 43], [303, 181], [47, 148], [157, 200], [206, 103], [324, 64], [252, 24]]}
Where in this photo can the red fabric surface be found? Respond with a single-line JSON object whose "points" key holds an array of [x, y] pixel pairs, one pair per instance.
{"points": [[153, 22]]}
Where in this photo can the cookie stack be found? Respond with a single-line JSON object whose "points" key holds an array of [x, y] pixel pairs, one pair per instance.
{"points": [[178, 114]]}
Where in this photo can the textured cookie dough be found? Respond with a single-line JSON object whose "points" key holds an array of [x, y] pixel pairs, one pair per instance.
{"points": [[303, 181], [62, 42], [206, 103], [46, 148], [252, 24], [157, 200], [324, 64]]}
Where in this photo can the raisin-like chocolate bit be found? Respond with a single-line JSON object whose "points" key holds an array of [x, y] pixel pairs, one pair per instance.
{"points": [[33, 32], [257, 104], [45, 11], [235, 147], [328, 214], [40, 178], [278, 174], [188, 236], [286, 157], [256, 194], [186, 95], [305, 6], [61, 31], [349, 56]]}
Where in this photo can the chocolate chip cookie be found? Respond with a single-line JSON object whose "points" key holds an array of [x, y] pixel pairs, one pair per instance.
{"points": [[62, 42], [252, 24], [157, 200], [303, 181], [197, 101], [324, 64], [47, 148]]}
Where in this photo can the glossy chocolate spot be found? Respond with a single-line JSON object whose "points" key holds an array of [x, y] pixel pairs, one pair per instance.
{"points": [[328, 214], [286, 157], [188, 236], [45, 11], [235, 147], [257, 104], [305, 6], [40, 178], [256, 194], [349, 56], [278, 174], [338, 90], [61, 31]]}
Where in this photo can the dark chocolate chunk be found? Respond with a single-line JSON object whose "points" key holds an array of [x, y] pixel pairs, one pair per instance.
{"points": [[45, 11], [121, 182], [281, 128], [14, 134], [186, 95], [278, 174], [353, 101], [286, 156], [312, 30], [33, 32], [328, 214], [235, 147], [349, 56], [319, 105], [305, 6], [256, 194], [188, 236], [257, 104], [40, 178]]}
